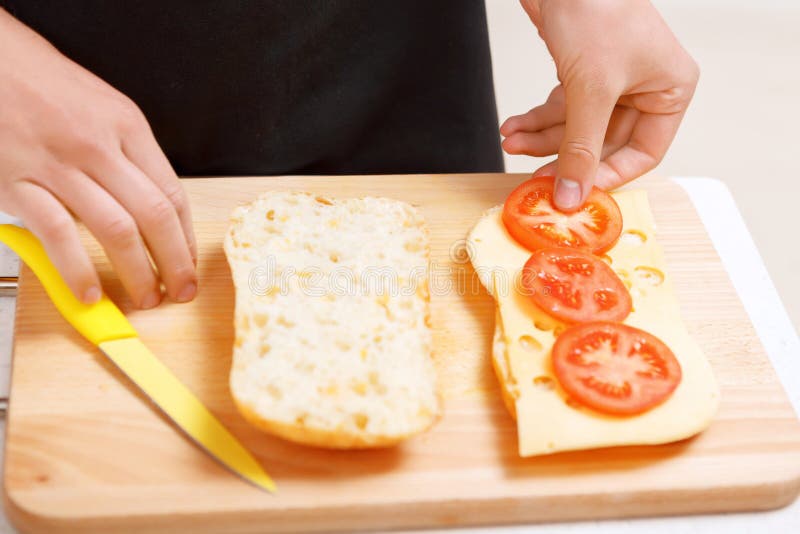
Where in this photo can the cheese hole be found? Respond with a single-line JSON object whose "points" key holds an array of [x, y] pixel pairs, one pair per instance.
{"points": [[649, 275], [558, 330], [544, 324], [606, 258], [530, 343], [544, 382], [633, 237], [334, 257]]}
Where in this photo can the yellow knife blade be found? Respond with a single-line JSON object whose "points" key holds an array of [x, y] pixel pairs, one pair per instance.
{"points": [[157, 381], [107, 327]]}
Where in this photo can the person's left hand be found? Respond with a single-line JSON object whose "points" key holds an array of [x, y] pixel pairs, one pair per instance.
{"points": [[625, 85]]}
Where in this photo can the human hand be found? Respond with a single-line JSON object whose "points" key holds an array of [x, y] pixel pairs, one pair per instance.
{"points": [[625, 85], [69, 142]]}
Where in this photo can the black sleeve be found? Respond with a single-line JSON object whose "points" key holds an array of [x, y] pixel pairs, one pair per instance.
{"points": [[293, 86]]}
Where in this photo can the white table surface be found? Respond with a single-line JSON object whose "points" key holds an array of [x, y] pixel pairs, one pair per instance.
{"points": [[735, 246]]}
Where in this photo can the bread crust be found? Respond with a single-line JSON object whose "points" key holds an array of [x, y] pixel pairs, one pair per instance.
{"points": [[508, 397], [318, 437]]}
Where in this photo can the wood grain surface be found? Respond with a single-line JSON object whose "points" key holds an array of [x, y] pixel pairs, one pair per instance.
{"points": [[86, 451]]}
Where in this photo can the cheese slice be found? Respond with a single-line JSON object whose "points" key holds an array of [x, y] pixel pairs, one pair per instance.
{"points": [[547, 420]]}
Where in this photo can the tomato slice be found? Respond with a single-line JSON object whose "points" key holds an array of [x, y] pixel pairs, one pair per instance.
{"points": [[614, 368], [575, 286], [531, 218]]}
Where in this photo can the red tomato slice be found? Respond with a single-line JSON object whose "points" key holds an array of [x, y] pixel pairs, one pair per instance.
{"points": [[614, 368], [575, 286], [531, 218]]}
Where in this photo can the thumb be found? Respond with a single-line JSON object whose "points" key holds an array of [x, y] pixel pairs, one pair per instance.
{"points": [[588, 111]]}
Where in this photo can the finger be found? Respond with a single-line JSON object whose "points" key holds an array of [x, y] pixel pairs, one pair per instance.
{"points": [[542, 143], [156, 219], [588, 112], [620, 127], [142, 149], [649, 141], [115, 230], [55, 228], [619, 131], [665, 100], [551, 113], [547, 142], [548, 169]]}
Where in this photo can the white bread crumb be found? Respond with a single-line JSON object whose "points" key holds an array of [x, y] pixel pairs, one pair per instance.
{"points": [[333, 340]]}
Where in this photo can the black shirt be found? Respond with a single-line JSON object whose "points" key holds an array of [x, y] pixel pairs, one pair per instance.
{"points": [[293, 86]]}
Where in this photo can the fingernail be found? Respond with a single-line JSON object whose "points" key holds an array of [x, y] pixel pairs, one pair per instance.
{"points": [[568, 194], [92, 295], [151, 300], [188, 292]]}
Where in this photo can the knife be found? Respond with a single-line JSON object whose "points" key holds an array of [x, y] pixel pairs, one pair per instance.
{"points": [[105, 326]]}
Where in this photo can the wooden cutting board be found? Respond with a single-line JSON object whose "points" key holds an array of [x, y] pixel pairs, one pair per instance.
{"points": [[85, 451]]}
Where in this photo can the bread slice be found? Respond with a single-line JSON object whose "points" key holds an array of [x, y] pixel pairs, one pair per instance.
{"points": [[333, 341], [501, 368]]}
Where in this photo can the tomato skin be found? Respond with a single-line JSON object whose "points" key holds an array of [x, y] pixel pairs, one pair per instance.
{"points": [[614, 368], [533, 221], [575, 286]]}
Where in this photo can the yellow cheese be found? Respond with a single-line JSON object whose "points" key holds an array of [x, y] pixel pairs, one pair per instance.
{"points": [[547, 421]]}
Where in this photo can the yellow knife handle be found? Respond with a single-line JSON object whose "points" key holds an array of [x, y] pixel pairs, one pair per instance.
{"points": [[98, 322]]}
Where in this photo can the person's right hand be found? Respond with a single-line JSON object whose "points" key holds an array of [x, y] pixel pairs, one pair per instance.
{"points": [[70, 142], [625, 85]]}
